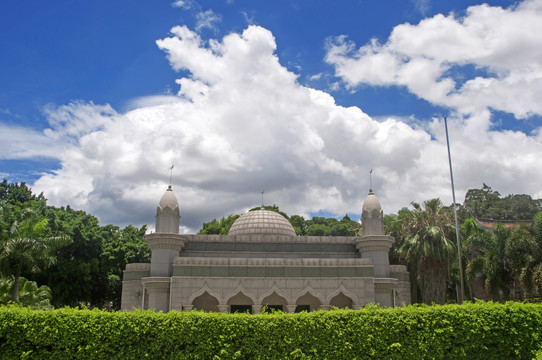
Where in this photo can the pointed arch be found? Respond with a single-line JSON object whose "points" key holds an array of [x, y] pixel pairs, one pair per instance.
{"points": [[240, 289], [201, 291], [308, 290], [345, 292], [274, 289], [205, 302], [308, 300]]}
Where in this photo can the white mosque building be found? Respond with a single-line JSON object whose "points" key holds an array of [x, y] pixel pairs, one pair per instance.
{"points": [[262, 262]]}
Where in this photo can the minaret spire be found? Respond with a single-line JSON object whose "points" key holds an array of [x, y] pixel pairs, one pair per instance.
{"points": [[171, 174], [371, 181]]}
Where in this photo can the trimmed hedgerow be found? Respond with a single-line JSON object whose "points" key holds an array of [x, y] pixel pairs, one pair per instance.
{"points": [[469, 331]]}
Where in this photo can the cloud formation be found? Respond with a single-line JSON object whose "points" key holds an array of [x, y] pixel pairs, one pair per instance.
{"points": [[497, 51], [242, 123]]}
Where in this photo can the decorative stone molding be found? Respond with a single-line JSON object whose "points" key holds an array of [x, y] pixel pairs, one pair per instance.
{"points": [[156, 283], [385, 283], [374, 243], [138, 267], [273, 262], [269, 238], [165, 241]]}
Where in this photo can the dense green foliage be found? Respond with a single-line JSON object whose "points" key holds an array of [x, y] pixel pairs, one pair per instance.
{"points": [[29, 293], [470, 331], [485, 203], [317, 226], [424, 241], [506, 259], [216, 227], [80, 261]]}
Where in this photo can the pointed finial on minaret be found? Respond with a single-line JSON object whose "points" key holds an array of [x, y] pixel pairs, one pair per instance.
{"points": [[371, 181], [170, 174], [262, 197]]}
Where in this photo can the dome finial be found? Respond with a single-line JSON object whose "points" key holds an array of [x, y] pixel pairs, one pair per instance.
{"points": [[171, 174], [371, 182]]}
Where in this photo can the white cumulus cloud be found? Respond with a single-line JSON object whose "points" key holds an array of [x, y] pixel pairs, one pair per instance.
{"points": [[242, 123], [502, 46]]}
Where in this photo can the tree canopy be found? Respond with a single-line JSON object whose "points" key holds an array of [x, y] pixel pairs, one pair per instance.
{"points": [[485, 203], [317, 226], [81, 261]]}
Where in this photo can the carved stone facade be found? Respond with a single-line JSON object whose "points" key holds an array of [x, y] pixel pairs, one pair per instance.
{"points": [[263, 263]]}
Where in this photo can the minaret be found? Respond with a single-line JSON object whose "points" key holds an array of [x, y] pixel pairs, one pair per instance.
{"points": [[165, 243], [374, 243]]}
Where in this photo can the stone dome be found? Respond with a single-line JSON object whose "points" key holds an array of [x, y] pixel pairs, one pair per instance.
{"points": [[260, 222], [168, 200], [167, 213], [371, 203], [372, 216]]}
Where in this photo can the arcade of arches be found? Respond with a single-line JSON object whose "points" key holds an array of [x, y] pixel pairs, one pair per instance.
{"points": [[242, 303]]}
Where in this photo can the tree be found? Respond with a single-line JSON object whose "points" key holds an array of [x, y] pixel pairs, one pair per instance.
{"points": [[18, 194], [501, 255], [485, 203], [426, 246], [80, 274], [299, 224], [531, 276], [222, 227], [30, 294], [28, 247], [120, 248]]}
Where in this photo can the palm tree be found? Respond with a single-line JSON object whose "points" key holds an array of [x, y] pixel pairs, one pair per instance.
{"points": [[531, 274], [501, 256], [29, 247], [426, 246], [29, 293]]}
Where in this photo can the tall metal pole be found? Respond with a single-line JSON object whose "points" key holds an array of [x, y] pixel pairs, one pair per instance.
{"points": [[459, 298]]}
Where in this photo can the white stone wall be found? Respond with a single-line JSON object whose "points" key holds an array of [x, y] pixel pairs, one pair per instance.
{"points": [[132, 292]]}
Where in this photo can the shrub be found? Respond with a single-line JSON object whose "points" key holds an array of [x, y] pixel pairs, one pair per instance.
{"points": [[469, 331]]}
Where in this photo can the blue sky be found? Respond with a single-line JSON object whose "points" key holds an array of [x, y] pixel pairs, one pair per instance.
{"points": [[300, 98]]}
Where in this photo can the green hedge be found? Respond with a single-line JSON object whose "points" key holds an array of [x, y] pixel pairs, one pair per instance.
{"points": [[469, 331]]}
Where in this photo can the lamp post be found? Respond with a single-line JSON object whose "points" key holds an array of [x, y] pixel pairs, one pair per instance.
{"points": [[461, 293]]}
